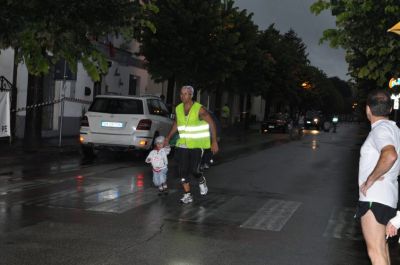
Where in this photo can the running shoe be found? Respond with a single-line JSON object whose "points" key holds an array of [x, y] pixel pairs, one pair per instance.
{"points": [[203, 187]]}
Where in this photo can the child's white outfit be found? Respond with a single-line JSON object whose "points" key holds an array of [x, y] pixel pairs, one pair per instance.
{"points": [[159, 162]]}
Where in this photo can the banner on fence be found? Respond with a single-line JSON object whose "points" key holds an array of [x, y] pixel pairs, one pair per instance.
{"points": [[5, 114]]}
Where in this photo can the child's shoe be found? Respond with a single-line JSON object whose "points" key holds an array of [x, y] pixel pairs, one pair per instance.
{"points": [[160, 190], [165, 187]]}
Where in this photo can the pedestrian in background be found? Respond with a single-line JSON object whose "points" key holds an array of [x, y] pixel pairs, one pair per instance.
{"points": [[159, 162], [225, 115], [193, 123], [301, 120], [378, 170]]}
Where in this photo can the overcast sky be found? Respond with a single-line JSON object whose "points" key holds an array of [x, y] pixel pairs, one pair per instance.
{"points": [[296, 15]]}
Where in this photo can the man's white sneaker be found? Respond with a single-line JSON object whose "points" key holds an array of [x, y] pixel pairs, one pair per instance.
{"points": [[203, 188], [187, 198]]}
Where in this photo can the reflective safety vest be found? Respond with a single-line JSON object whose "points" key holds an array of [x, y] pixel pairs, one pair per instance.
{"points": [[193, 132]]}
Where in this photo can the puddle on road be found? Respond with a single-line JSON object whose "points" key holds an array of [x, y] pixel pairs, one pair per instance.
{"points": [[314, 144]]}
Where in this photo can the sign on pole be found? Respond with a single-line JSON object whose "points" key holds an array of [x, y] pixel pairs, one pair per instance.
{"points": [[396, 101], [5, 114]]}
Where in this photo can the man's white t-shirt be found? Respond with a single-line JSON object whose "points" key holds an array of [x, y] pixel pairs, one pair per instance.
{"points": [[383, 133]]}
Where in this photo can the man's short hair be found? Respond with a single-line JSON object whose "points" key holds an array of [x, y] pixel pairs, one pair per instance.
{"points": [[189, 88], [379, 102]]}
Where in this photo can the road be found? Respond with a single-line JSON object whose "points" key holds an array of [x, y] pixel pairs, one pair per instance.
{"points": [[276, 203]]}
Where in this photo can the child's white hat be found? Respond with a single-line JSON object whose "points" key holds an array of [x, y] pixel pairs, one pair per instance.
{"points": [[159, 140]]}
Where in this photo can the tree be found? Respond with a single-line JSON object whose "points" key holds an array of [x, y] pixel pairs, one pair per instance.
{"points": [[288, 60], [197, 42], [248, 76], [372, 53], [345, 90], [321, 94], [44, 31]]}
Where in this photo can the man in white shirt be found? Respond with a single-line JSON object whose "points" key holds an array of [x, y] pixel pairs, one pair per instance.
{"points": [[378, 171]]}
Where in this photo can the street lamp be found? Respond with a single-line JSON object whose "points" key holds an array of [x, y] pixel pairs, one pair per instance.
{"points": [[306, 85]]}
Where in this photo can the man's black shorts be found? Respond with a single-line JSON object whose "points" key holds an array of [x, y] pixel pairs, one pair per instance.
{"points": [[382, 213]]}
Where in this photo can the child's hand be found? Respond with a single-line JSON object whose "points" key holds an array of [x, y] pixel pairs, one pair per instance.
{"points": [[167, 149]]}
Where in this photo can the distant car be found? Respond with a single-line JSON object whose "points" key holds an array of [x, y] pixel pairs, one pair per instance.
{"points": [[277, 122], [313, 120], [123, 123]]}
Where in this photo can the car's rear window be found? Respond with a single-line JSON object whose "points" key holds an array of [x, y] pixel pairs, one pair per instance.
{"points": [[117, 106]]}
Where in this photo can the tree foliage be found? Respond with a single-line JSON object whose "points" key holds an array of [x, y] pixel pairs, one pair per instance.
{"points": [[287, 56], [197, 42], [216, 47], [373, 54], [44, 31]]}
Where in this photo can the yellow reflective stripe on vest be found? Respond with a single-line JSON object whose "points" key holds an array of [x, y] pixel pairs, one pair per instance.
{"points": [[198, 128]]}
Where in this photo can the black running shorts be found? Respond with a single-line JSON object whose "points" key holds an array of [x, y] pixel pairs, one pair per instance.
{"points": [[382, 213], [189, 163]]}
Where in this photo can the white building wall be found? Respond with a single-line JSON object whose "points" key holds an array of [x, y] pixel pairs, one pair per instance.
{"points": [[6, 68]]}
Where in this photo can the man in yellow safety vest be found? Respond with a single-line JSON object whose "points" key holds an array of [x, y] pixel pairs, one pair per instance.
{"points": [[193, 123]]}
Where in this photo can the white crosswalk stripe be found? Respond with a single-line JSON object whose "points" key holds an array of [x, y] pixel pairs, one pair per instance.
{"points": [[272, 216], [127, 202]]}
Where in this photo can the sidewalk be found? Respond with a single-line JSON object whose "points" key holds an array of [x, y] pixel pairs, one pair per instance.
{"points": [[46, 145]]}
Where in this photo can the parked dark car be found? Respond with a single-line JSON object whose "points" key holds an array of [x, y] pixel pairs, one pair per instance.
{"points": [[277, 122]]}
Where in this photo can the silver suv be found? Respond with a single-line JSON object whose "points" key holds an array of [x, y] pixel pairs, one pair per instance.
{"points": [[123, 123]]}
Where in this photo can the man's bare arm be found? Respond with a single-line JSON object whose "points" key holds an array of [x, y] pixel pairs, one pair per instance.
{"points": [[386, 160], [171, 133], [205, 116]]}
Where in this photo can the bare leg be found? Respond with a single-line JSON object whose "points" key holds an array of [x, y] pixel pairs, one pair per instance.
{"points": [[186, 187], [374, 235]]}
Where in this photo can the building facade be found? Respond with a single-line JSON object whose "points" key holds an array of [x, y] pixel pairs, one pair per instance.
{"points": [[126, 76]]}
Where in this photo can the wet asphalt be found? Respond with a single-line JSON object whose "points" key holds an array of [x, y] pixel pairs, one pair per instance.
{"points": [[272, 200]]}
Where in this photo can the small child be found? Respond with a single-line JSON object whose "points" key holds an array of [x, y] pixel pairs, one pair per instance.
{"points": [[159, 162]]}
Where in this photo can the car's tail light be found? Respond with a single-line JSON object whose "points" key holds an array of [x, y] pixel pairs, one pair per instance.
{"points": [[85, 121], [144, 125]]}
